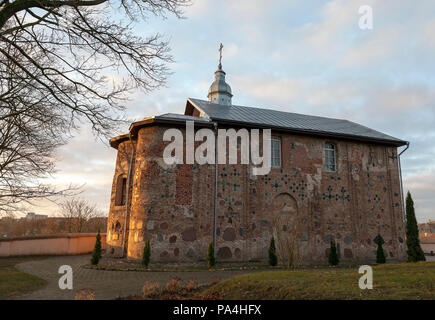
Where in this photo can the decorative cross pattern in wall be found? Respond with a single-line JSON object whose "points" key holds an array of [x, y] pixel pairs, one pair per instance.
{"points": [[276, 185], [393, 157], [342, 195], [266, 179], [293, 172], [372, 158], [230, 183], [335, 178], [227, 181], [290, 182], [328, 195], [223, 177], [235, 185], [285, 179], [368, 184], [229, 199], [376, 199]]}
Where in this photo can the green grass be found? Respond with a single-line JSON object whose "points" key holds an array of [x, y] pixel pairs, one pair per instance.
{"points": [[390, 281], [13, 281]]}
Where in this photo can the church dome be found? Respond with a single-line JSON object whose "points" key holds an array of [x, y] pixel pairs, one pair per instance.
{"points": [[220, 91]]}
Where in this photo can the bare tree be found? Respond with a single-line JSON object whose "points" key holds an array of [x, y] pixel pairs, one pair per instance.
{"points": [[55, 60], [30, 131], [287, 232], [78, 212]]}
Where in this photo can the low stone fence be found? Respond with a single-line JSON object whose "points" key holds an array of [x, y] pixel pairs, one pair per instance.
{"points": [[60, 244]]}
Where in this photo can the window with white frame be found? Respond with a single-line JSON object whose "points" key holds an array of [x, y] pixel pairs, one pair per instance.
{"points": [[330, 162], [275, 155]]}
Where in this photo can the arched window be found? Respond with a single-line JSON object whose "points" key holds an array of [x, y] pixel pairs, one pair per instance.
{"points": [[330, 161], [121, 191]]}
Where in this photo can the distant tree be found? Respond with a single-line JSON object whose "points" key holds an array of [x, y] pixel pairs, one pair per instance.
{"points": [[414, 251], [96, 254], [77, 213], [146, 256], [273, 259], [50, 226], [333, 256], [96, 223], [211, 260], [380, 256]]}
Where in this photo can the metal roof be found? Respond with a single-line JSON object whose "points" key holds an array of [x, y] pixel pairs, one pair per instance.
{"points": [[180, 117], [290, 121]]}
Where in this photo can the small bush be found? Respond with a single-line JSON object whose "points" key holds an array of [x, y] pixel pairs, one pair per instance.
{"points": [[380, 256], [146, 254], [173, 285], [211, 260], [96, 254], [150, 289], [333, 257], [85, 294], [273, 260], [191, 285]]}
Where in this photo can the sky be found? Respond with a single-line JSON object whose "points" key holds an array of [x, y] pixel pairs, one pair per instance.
{"points": [[299, 56]]}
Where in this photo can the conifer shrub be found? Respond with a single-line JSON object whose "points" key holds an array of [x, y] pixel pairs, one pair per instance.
{"points": [[96, 253], [273, 259], [333, 256], [211, 260], [146, 254]]}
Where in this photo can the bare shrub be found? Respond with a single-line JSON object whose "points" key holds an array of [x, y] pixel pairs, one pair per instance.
{"points": [[191, 285], [287, 232], [85, 294], [173, 285], [150, 289]]}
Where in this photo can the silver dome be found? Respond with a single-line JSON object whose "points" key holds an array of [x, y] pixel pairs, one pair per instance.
{"points": [[220, 91]]}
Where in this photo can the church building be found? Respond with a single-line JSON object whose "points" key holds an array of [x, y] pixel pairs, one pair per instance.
{"points": [[334, 179]]}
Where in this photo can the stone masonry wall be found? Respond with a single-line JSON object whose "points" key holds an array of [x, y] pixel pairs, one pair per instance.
{"points": [[173, 205]]}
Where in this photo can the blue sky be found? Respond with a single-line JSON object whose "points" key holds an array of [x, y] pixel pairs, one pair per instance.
{"points": [[300, 56]]}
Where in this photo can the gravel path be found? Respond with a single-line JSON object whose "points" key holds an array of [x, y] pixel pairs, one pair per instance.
{"points": [[106, 284]]}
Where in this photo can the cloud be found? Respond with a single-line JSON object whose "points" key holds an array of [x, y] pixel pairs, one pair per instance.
{"points": [[429, 32], [300, 56], [337, 16], [422, 188], [374, 48]]}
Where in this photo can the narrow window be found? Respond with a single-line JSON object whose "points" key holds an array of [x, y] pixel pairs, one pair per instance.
{"points": [[276, 152], [121, 191], [330, 163]]}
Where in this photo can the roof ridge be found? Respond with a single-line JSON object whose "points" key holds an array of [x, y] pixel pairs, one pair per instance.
{"points": [[274, 110]]}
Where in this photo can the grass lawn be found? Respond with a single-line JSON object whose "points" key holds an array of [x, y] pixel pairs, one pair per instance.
{"points": [[13, 281], [390, 281]]}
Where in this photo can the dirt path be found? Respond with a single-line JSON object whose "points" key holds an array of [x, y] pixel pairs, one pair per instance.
{"points": [[106, 284]]}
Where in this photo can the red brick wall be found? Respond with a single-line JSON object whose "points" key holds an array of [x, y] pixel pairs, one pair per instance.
{"points": [[173, 205]]}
